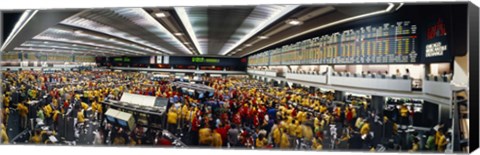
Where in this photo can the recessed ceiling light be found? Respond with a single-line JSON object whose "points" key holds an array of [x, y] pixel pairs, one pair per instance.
{"points": [[294, 22], [178, 34], [248, 45], [186, 43], [74, 44], [46, 42], [161, 14], [111, 39], [262, 37], [78, 31]]}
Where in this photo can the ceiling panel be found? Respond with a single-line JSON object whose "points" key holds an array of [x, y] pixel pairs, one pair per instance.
{"points": [[213, 31], [223, 23]]}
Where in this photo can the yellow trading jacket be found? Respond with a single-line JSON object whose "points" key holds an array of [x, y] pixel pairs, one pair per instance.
{"points": [[3, 134], [47, 110], [80, 117], [261, 143], [205, 136], [284, 143], [217, 140], [365, 129], [22, 110], [172, 117], [277, 135]]}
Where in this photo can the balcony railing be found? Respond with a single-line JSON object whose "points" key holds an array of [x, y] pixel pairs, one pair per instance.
{"points": [[372, 81], [314, 77]]}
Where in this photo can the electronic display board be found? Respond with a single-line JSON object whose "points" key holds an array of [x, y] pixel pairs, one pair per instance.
{"points": [[385, 43]]}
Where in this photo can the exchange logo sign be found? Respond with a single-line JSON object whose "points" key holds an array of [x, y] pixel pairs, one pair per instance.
{"points": [[435, 49], [437, 42]]}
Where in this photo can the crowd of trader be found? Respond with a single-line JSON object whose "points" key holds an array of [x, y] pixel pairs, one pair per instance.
{"points": [[241, 113]]}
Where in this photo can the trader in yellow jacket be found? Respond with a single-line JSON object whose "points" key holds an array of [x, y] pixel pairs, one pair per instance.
{"points": [[284, 142], [3, 134], [97, 108], [365, 128], [205, 136], [261, 141], [277, 135], [172, 117], [442, 142], [23, 111], [216, 139], [37, 138], [80, 117], [47, 110], [316, 144]]}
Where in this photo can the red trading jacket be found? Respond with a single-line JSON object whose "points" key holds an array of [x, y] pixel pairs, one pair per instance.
{"points": [[256, 121], [65, 105], [294, 113], [224, 117], [223, 133], [243, 111], [237, 119], [164, 142], [349, 116], [195, 124]]}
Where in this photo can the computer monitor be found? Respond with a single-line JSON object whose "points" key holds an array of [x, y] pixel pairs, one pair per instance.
{"points": [[110, 119], [191, 93], [122, 123]]}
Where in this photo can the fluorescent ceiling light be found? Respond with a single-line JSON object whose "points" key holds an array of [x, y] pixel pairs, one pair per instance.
{"points": [[294, 22], [138, 17], [78, 31], [388, 9], [62, 40], [262, 37], [161, 14], [182, 14], [178, 34], [248, 45], [186, 43], [27, 15], [156, 24], [274, 16]]}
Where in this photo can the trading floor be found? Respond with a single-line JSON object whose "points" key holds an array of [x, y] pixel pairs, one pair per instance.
{"points": [[380, 77], [69, 107]]}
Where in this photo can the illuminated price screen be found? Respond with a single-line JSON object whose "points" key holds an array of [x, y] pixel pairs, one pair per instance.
{"points": [[386, 43]]}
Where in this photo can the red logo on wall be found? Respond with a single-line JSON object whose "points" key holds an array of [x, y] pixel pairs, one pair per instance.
{"points": [[437, 30], [244, 60]]}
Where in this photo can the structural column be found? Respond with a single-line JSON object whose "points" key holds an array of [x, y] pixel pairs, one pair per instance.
{"points": [[377, 107], [339, 95]]}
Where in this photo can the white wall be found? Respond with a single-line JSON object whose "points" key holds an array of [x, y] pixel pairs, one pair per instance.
{"points": [[439, 68], [460, 71], [375, 68], [416, 71]]}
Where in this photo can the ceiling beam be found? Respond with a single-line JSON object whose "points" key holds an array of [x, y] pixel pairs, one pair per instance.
{"points": [[182, 14], [267, 22], [388, 9], [39, 22]]}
